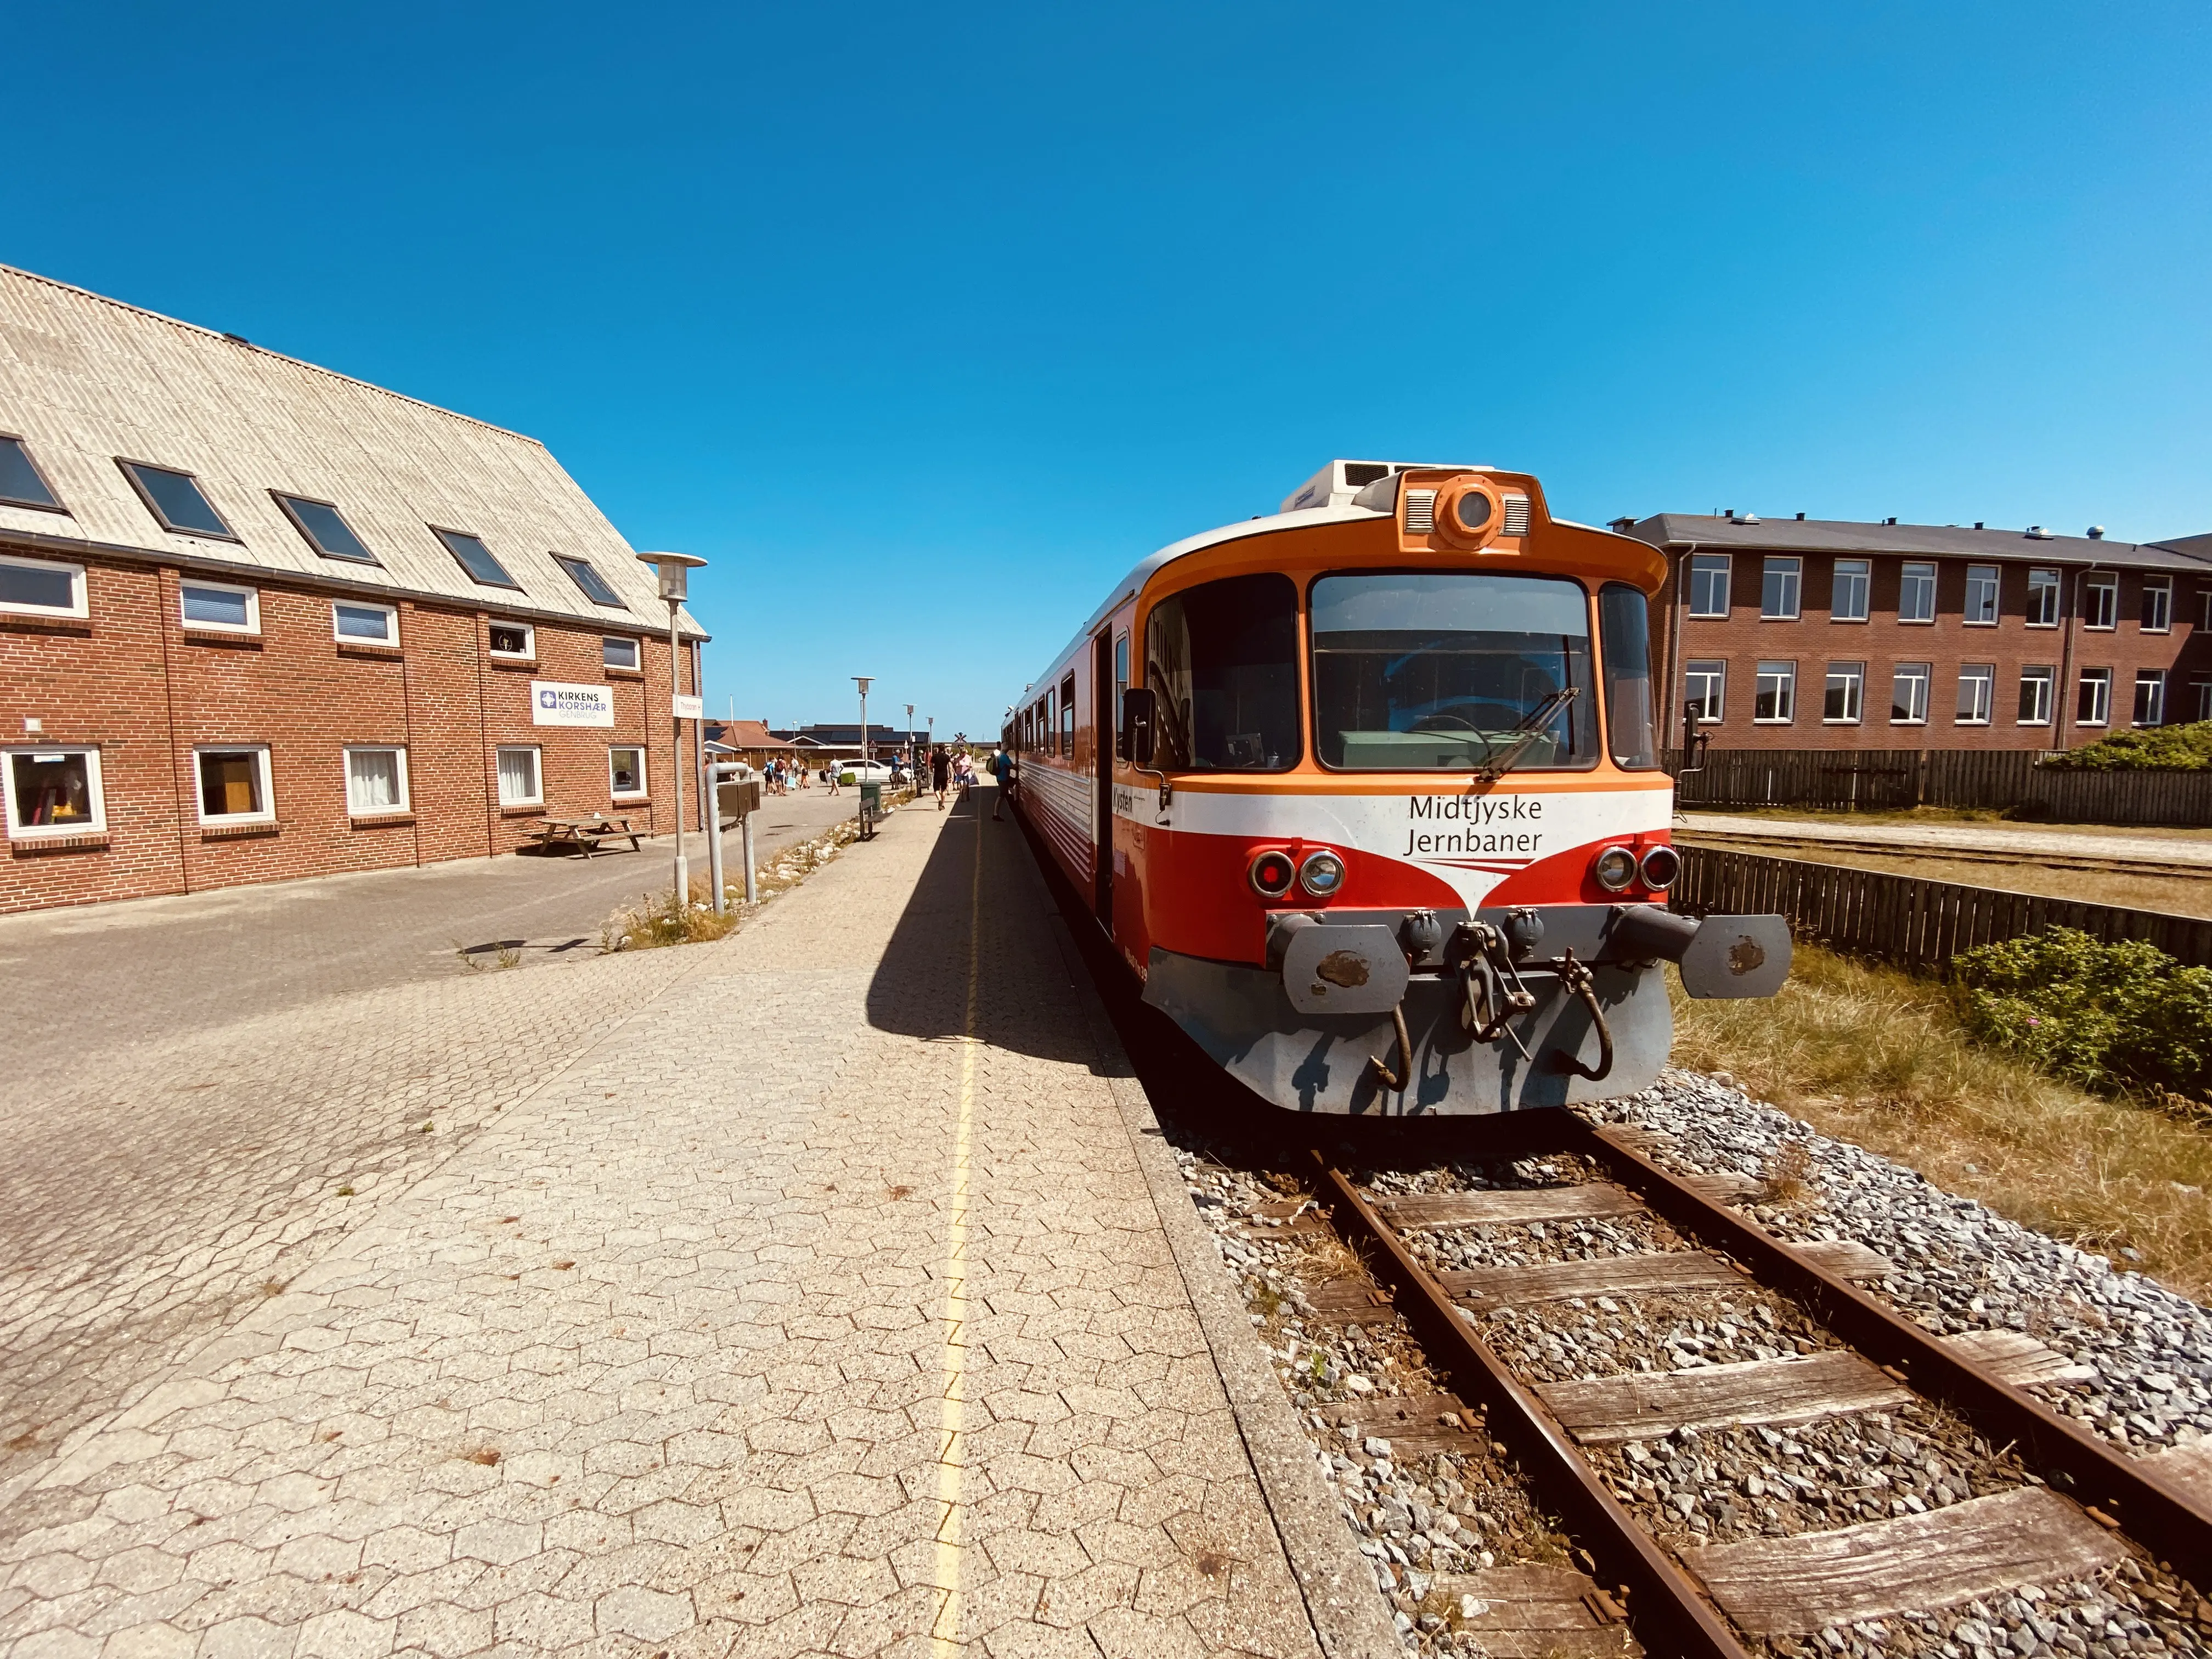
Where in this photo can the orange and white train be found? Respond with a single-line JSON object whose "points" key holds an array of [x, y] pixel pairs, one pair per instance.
{"points": [[1367, 794]]}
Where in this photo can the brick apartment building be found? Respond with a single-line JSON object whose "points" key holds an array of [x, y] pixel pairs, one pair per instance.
{"points": [[259, 621], [1794, 634]]}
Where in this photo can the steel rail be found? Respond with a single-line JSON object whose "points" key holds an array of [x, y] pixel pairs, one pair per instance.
{"points": [[2169, 1523], [1665, 1608]]}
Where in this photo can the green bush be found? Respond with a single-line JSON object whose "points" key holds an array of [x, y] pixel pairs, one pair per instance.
{"points": [[2159, 748], [2123, 1016]]}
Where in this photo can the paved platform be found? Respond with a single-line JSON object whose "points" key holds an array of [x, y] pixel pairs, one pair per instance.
{"points": [[814, 1301]]}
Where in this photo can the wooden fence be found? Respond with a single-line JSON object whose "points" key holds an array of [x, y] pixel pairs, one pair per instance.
{"points": [[1911, 922], [1888, 779]]}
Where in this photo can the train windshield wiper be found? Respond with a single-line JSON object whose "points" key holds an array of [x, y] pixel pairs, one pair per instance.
{"points": [[1525, 732]]}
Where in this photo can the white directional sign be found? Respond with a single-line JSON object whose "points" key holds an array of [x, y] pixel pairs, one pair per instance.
{"points": [[689, 708]]}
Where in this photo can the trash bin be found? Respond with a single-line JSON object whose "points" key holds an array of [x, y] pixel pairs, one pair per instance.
{"points": [[872, 809]]}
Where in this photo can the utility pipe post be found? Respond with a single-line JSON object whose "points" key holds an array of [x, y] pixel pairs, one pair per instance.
{"points": [[674, 570]]}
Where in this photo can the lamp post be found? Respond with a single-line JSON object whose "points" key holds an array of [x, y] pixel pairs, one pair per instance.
{"points": [[674, 570], [864, 681], [906, 738]]}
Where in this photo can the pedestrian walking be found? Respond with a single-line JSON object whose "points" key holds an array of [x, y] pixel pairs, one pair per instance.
{"points": [[940, 774], [1002, 768]]}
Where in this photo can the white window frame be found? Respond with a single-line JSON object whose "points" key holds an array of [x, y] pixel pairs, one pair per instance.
{"points": [[2109, 586], [2204, 700], [265, 813], [1853, 677], [1984, 674], [1726, 572], [537, 773], [1789, 570], [529, 652], [1991, 577], [2163, 588], [1901, 674], [2098, 677], [79, 605], [644, 779], [2046, 676], [251, 595], [1714, 671], [392, 615], [2154, 679], [406, 803], [636, 650], [2204, 609], [1908, 579], [1854, 577], [1784, 674], [2046, 592], [17, 830]]}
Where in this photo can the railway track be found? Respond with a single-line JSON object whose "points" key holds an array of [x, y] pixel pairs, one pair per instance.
{"points": [[1690, 1526], [1814, 846]]}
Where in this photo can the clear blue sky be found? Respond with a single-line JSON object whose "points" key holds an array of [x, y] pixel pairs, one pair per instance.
{"points": [[923, 323]]}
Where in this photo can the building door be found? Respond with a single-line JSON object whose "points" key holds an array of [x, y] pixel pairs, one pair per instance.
{"points": [[1104, 719]]}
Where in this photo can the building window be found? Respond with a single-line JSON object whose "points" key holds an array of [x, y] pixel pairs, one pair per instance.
{"points": [[1777, 590], [234, 785], [219, 606], [1915, 594], [176, 501], [1908, 694], [514, 639], [618, 651], [41, 587], [518, 781], [2204, 700], [2035, 695], [2042, 599], [2204, 609], [626, 771], [2100, 602], [1976, 692], [1705, 684], [1847, 602], [2150, 696], [1846, 693], [1067, 718], [2093, 704], [473, 556], [326, 529], [54, 792], [1775, 700], [589, 582], [2157, 604], [364, 624], [376, 782], [1981, 596], [21, 483], [1709, 584]]}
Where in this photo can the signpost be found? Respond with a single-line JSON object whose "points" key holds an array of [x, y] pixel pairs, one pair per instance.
{"points": [[674, 570]]}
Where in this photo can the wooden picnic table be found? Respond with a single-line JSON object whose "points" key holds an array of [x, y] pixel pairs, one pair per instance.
{"points": [[587, 831]]}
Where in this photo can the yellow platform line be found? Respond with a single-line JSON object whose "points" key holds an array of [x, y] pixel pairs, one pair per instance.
{"points": [[952, 1449]]}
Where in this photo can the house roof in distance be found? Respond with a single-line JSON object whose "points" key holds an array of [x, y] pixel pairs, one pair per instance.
{"points": [[1722, 534], [87, 381]]}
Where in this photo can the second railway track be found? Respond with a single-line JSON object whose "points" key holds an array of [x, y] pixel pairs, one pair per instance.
{"points": [[1739, 1448]]}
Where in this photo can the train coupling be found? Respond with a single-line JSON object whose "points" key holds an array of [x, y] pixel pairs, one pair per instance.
{"points": [[1720, 957]]}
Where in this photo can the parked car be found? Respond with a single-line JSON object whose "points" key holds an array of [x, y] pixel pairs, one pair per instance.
{"points": [[863, 772]]}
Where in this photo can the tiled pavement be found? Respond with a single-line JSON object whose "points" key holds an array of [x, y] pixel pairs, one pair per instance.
{"points": [[818, 1306]]}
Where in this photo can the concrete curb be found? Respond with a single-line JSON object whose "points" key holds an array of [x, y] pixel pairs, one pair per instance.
{"points": [[1336, 1581]]}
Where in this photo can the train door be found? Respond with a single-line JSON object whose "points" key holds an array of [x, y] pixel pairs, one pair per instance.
{"points": [[1104, 719]]}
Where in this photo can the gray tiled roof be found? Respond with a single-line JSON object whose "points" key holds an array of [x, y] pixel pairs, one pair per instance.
{"points": [[1934, 541], [84, 379]]}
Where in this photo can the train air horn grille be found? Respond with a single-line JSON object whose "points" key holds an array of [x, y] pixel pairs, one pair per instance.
{"points": [[1516, 515], [1420, 512]]}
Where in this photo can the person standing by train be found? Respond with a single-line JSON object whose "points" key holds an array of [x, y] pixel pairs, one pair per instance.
{"points": [[1002, 768], [940, 774]]}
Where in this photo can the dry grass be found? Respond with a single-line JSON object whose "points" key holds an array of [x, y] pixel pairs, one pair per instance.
{"points": [[1873, 1057], [659, 920], [2180, 896]]}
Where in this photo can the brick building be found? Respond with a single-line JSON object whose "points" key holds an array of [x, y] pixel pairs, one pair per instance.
{"points": [[1796, 634], [259, 620]]}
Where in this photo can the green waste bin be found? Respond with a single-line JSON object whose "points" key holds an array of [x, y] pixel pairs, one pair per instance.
{"points": [[872, 809]]}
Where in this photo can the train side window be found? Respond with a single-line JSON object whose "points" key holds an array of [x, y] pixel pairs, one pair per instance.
{"points": [[1624, 638], [1121, 677], [1067, 718], [1222, 661]]}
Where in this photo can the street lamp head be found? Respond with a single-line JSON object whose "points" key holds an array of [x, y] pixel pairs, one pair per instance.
{"points": [[864, 681], [674, 569]]}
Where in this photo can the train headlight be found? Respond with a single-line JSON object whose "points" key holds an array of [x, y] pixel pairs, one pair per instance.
{"points": [[1473, 512], [1272, 874], [1614, 868], [1662, 864], [1321, 874]]}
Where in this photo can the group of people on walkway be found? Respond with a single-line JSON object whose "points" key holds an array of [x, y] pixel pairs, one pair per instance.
{"points": [[949, 771], [778, 774]]}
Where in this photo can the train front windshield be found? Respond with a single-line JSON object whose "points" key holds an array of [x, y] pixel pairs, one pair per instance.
{"points": [[1452, 672]]}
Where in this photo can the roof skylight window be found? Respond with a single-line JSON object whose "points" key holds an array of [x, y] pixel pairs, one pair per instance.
{"points": [[176, 501], [329, 534], [20, 484], [594, 586], [475, 558]]}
